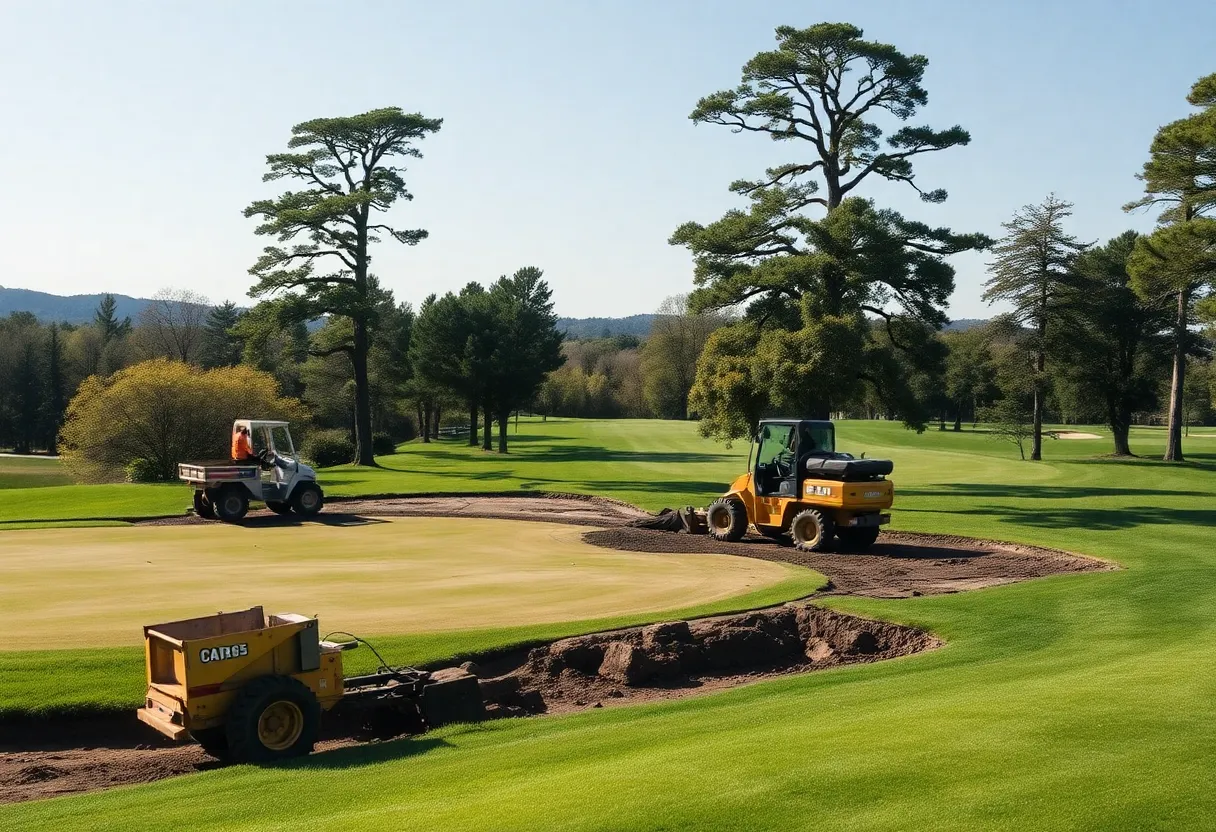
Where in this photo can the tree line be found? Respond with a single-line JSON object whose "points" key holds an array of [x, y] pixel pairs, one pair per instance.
{"points": [[812, 299], [842, 301]]}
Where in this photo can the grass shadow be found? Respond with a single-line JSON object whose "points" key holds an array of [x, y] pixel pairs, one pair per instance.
{"points": [[364, 754], [1053, 492]]}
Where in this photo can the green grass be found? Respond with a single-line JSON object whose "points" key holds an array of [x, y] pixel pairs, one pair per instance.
{"points": [[31, 472], [1072, 702]]}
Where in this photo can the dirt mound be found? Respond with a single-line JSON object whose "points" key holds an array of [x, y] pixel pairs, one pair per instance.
{"points": [[680, 658], [658, 661], [899, 565]]}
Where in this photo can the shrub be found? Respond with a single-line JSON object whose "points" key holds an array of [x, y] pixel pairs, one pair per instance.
{"points": [[142, 470], [383, 444], [164, 412], [325, 448]]}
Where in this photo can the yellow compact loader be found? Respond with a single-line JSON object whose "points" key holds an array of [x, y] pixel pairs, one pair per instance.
{"points": [[802, 487], [252, 688]]}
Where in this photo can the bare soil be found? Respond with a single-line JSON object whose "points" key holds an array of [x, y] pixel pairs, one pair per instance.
{"points": [[663, 661], [638, 664], [899, 565]]}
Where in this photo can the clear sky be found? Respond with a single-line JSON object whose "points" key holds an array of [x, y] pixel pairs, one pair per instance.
{"points": [[134, 133]]}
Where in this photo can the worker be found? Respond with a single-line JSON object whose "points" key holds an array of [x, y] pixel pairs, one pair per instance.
{"points": [[242, 448]]}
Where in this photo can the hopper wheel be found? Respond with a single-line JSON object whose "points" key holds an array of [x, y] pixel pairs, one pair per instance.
{"points": [[726, 519], [272, 718]]}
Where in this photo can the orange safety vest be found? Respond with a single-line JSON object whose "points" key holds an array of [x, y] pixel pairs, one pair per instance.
{"points": [[241, 449]]}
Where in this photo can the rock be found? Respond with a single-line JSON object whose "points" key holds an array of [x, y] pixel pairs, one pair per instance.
{"points": [[627, 664], [500, 689], [818, 650], [449, 674], [470, 667], [530, 701], [598, 705], [753, 639], [861, 641], [581, 654], [616, 694], [659, 636]]}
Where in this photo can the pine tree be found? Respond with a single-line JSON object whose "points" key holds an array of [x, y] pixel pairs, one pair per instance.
{"points": [[106, 319], [1032, 271], [221, 347]]}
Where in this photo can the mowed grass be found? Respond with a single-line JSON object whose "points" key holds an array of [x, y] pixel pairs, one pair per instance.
{"points": [[650, 463], [425, 584], [31, 472], [1073, 702]]}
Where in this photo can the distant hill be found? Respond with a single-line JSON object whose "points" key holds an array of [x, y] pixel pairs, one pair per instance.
{"points": [[78, 309], [73, 309], [638, 325], [964, 323]]}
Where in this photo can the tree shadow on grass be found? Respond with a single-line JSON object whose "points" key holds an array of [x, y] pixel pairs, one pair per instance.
{"points": [[1040, 491], [590, 453], [325, 518], [1094, 519]]}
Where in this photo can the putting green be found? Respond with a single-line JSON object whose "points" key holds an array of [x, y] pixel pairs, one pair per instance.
{"points": [[97, 587]]}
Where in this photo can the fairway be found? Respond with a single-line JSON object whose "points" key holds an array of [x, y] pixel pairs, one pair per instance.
{"points": [[72, 588]]}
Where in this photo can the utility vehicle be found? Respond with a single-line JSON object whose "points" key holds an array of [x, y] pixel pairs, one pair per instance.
{"points": [[277, 477], [801, 486]]}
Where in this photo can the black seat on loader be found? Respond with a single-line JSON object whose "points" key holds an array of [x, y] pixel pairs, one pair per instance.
{"points": [[850, 470]]}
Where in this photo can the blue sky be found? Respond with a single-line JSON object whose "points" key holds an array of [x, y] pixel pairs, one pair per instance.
{"points": [[134, 133]]}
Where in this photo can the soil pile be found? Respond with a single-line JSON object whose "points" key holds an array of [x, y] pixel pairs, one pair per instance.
{"points": [[679, 658]]}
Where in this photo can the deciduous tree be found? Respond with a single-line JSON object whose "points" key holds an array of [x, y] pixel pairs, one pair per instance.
{"points": [[172, 324], [345, 167], [164, 412], [669, 356]]}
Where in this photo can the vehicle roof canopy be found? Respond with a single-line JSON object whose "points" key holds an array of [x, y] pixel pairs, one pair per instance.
{"points": [[259, 423], [819, 423]]}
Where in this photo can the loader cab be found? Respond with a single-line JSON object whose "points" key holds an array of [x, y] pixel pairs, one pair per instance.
{"points": [[780, 447]]}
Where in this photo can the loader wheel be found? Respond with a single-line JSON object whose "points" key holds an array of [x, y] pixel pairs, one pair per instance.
{"points": [[279, 506], [307, 499], [726, 519], [203, 507], [272, 718], [811, 530], [231, 504], [213, 740], [858, 540]]}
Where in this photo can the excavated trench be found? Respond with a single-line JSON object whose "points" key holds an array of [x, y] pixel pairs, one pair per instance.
{"points": [[661, 661], [40, 759]]}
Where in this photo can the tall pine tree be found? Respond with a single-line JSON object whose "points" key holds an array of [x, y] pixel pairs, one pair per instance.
{"points": [[1033, 272]]}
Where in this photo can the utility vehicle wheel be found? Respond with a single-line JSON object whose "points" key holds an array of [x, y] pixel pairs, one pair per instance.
{"points": [[272, 718], [213, 740], [203, 507], [231, 503], [307, 499], [811, 530], [279, 506], [726, 519], [858, 540]]}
